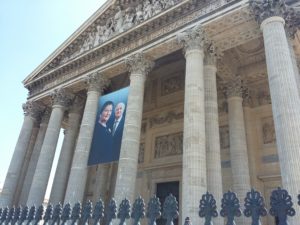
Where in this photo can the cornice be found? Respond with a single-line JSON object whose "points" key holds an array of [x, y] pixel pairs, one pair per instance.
{"points": [[170, 21]]}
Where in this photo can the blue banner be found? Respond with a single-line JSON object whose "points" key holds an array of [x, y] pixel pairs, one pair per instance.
{"points": [[109, 126]]}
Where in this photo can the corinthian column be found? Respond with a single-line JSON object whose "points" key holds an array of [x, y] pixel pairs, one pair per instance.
{"points": [[284, 93], [213, 155], [238, 142], [194, 183], [78, 173], [65, 159], [34, 157], [61, 100], [138, 67], [31, 112]]}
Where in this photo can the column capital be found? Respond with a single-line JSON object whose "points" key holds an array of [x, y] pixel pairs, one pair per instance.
{"points": [[292, 20], [46, 115], [77, 105], [235, 87], [61, 97], [96, 82], [32, 109], [264, 9], [138, 63], [211, 54], [192, 39]]}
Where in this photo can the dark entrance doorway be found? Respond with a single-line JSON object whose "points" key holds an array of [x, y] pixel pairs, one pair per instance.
{"points": [[162, 191]]}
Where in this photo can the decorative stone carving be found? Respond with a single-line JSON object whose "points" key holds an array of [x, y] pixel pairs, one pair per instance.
{"points": [[172, 84], [292, 19], [234, 87], [137, 63], [77, 105], [263, 9], [211, 54], [268, 129], [193, 38], [168, 145], [33, 109], [61, 97], [141, 153], [224, 137], [165, 118], [96, 82]]}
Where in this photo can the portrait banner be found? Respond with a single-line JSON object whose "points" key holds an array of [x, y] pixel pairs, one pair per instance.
{"points": [[109, 126]]}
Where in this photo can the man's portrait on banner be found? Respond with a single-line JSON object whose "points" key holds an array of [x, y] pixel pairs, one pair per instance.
{"points": [[108, 129]]}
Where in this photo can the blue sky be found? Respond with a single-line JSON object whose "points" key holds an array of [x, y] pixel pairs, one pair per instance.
{"points": [[30, 31]]}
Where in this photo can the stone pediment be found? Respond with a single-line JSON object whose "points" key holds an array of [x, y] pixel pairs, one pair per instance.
{"points": [[113, 18]]}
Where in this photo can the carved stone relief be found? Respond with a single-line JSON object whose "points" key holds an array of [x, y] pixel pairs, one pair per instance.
{"points": [[268, 130], [224, 137], [168, 145], [141, 153], [172, 84], [168, 117]]}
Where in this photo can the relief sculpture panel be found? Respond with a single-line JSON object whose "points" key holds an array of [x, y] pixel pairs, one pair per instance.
{"points": [[168, 145], [268, 130], [172, 84]]}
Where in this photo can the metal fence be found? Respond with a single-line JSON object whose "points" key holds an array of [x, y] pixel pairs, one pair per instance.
{"points": [[281, 206]]}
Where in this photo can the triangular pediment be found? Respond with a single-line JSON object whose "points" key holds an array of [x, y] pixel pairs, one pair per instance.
{"points": [[112, 19]]}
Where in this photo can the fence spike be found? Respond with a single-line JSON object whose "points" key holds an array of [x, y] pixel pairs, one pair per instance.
{"points": [[16, 216], [124, 211], [31, 214], [38, 215], [254, 206], [187, 221], [153, 210], [230, 207], [24, 215], [4, 215], [138, 210], [170, 209], [10, 215], [111, 212], [48, 214], [87, 212], [281, 205], [76, 213], [98, 212], [66, 214], [57, 212], [208, 208]]}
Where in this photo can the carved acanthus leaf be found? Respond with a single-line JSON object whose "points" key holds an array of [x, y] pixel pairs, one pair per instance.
{"points": [[139, 64], [235, 87], [61, 97], [33, 109], [264, 9], [96, 82], [193, 38]]}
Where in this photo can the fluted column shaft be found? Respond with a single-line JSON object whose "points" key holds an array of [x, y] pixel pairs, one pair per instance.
{"points": [[45, 161], [128, 161], [285, 103], [34, 159], [65, 159], [78, 174], [194, 183], [238, 143], [14, 170], [213, 155], [26, 163]]}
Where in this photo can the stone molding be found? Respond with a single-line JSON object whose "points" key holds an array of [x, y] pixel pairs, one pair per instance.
{"points": [[139, 64], [61, 97], [96, 82], [32, 109], [168, 22], [192, 39]]}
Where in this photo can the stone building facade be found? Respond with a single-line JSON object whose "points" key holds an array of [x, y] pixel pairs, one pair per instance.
{"points": [[213, 104]]}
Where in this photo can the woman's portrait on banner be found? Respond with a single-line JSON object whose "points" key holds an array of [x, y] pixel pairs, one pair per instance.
{"points": [[109, 126]]}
